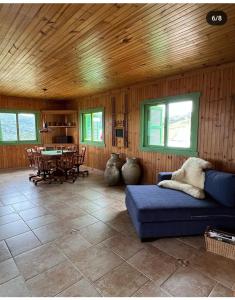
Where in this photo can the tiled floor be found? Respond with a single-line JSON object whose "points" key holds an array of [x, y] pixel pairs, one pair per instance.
{"points": [[77, 240]]}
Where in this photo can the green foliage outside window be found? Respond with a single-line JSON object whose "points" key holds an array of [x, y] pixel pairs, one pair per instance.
{"points": [[92, 127], [170, 124], [18, 127]]}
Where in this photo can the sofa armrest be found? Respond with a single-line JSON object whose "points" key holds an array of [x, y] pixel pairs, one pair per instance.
{"points": [[163, 176]]}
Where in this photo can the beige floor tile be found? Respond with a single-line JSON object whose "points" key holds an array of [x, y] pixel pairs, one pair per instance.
{"points": [[32, 194], [52, 231], [23, 205], [97, 232], [123, 281], [83, 221], [154, 263], [87, 205], [150, 289], [70, 209], [174, 247], [53, 281], [67, 212], [73, 243], [41, 221], [34, 212], [96, 261], [8, 270], [9, 191], [187, 282], [123, 245], [6, 210], [106, 214], [194, 241], [22, 243], [119, 205], [103, 201], [4, 251], [55, 206], [38, 260], [11, 199], [14, 288], [122, 223], [221, 291], [12, 229], [90, 194], [9, 218], [216, 267], [80, 289]]}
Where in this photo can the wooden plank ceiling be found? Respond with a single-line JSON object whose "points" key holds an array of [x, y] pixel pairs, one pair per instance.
{"points": [[72, 50]]}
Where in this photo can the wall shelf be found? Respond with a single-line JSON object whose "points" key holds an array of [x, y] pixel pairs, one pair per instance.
{"points": [[60, 117]]}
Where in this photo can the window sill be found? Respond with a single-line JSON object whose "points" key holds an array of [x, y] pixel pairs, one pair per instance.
{"points": [[94, 144], [175, 151], [19, 143]]}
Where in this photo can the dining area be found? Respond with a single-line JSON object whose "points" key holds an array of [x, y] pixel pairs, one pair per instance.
{"points": [[55, 164]]}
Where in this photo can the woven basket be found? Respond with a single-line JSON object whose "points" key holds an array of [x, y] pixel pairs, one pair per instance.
{"points": [[220, 247]]}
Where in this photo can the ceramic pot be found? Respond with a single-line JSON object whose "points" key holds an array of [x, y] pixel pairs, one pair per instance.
{"points": [[115, 159], [112, 174], [131, 171]]}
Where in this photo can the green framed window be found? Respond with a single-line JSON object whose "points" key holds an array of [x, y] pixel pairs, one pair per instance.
{"points": [[92, 127], [19, 127], [170, 124]]}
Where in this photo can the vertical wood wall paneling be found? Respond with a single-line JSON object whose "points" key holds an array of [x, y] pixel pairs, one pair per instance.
{"points": [[126, 121], [216, 134]]}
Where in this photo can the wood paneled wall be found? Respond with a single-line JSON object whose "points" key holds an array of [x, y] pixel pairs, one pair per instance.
{"points": [[13, 156], [216, 123]]}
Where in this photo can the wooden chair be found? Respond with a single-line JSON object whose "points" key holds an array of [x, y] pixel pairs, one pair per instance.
{"points": [[73, 148], [39, 149], [79, 161], [66, 164], [30, 156], [45, 167]]}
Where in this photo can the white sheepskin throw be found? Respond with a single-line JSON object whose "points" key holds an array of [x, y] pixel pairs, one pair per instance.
{"points": [[183, 187], [189, 178], [192, 172]]}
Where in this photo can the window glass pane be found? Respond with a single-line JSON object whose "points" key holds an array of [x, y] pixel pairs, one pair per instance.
{"points": [[179, 124], [8, 128], [97, 126], [27, 127], [156, 118], [87, 127]]}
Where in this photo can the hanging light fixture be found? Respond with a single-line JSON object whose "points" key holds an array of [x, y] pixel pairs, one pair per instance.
{"points": [[45, 128]]}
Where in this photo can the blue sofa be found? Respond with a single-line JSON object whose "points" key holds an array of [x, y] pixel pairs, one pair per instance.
{"points": [[160, 212]]}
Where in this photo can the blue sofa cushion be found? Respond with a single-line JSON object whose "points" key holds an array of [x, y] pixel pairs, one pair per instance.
{"points": [[156, 204], [221, 187], [164, 176]]}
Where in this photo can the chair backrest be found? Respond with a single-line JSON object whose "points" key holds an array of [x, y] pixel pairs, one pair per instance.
{"points": [[83, 153], [39, 149], [80, 157], [73, 148], [42, 163], [29, 153], [67, 160]]}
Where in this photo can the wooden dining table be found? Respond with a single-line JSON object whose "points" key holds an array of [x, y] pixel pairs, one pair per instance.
{"points": [[55, 153]]}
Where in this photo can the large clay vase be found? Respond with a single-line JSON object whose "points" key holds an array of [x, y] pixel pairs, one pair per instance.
{"points": [[112, 174], [131, 171], [115, 159]]}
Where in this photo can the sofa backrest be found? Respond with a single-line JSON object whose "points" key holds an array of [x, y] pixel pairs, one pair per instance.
{"points": [[221, 187]]}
